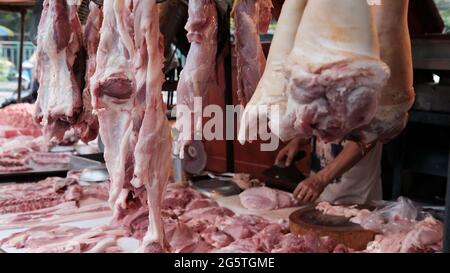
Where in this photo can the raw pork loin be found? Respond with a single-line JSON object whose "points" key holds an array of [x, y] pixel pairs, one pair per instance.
{"points": [[202, 28], [251, 17], [264, 198], [127, 96], [60, 40]]}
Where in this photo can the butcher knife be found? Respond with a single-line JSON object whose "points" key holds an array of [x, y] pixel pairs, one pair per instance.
{"points": [[285, 177]]}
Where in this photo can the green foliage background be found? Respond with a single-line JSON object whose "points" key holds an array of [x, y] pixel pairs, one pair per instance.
{"points": [[444, 9]]}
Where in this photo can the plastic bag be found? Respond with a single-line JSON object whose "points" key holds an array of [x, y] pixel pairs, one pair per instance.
{"points": [[393, 217]]}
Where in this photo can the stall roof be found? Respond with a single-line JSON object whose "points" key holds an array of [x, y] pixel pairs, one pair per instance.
{"points": [[16, 5]]}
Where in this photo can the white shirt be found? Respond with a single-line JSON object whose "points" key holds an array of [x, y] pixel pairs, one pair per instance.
{"points": [[359, 185]]}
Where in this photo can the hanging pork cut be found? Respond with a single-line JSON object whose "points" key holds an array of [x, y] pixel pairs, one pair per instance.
{"points": [[251, 17], [398, 95], [60, 39], [202, 27], [87, 122], [334, 73], [126, 90], [271, 88]]}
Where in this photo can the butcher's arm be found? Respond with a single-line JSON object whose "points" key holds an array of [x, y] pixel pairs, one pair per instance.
{"points": [[287, 154], [311, 188], [352, 153]]}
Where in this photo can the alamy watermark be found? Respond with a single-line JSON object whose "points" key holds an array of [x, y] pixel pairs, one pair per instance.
{"points": [[212, 122]]}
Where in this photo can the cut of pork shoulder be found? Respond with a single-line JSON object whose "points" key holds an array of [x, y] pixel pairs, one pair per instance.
{"points": [[202, 27], [271, 88], [398, 95], [87, 122], [127, 96], [251, 17], [264, 198], [334, 72], [59, 99]]}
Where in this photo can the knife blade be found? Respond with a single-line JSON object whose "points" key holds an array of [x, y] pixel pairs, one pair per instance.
{"points": [[285, 177]]}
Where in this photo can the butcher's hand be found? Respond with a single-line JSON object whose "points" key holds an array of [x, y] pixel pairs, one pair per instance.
{"points": [[309, 190], [287, 154]]}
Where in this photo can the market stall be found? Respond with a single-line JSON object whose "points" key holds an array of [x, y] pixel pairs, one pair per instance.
{"points": [[250, 126]]}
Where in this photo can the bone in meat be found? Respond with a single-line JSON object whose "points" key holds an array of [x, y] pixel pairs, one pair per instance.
{"points": [[127, 96], [59, 99], [202, 27]]}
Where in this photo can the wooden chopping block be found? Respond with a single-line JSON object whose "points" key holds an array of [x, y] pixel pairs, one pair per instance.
{"points": [[311, 221]]}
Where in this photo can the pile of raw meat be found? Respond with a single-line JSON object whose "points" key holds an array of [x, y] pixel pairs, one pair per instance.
{"points": [[193, 223], [326, 74], [22, 147], [17, 120], [25, 153], [400, 226], [54, 201]]}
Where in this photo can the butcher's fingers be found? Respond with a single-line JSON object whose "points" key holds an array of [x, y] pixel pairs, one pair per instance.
{"points": [[310, 197], [302, 193], [297, 191]]}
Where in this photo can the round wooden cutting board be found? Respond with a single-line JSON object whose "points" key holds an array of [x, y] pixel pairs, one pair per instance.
{"points": [[308, 220]]}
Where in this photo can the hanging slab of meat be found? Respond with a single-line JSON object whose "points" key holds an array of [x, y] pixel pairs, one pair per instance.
{"points": [[152, 155], [251, 17], [398, 96], [271, 87], [113, 91], [202, 27], [87, 122], [59, 99], [127, 97], [334, 73]]}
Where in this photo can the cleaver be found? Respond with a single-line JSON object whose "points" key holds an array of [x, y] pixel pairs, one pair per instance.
{"points": [[285, 178]]}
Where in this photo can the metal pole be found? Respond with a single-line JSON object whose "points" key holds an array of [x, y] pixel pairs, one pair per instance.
{"points": [[22, 35], [447, 213]]}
